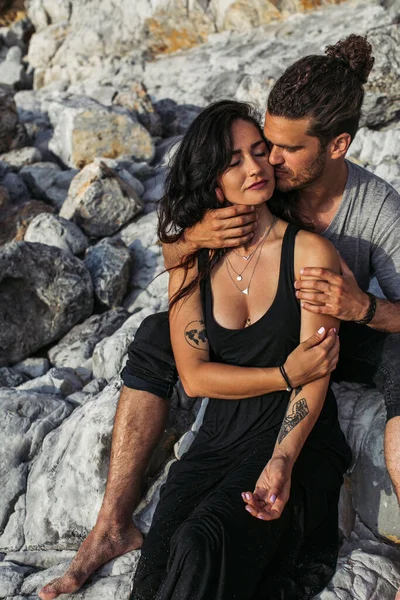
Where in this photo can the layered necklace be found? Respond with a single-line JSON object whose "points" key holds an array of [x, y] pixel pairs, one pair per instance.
{"points": [[238, 275]]}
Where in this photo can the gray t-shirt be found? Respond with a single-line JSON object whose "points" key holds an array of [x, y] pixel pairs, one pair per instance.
{"points": [[366, 230]]}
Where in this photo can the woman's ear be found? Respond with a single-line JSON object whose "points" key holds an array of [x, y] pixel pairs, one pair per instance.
{"points": [[220, 195]]}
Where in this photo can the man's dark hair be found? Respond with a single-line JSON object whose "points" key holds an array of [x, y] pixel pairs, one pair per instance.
{"points": [[328, 89]]}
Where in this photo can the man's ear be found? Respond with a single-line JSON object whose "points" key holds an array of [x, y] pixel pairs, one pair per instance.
{"points": [[220, 195], [339, 145]]}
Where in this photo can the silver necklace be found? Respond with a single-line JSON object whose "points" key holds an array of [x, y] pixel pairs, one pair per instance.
{"points": [[248, 257], [239, 275]]}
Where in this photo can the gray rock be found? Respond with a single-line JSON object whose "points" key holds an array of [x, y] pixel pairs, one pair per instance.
{"points": [[13, 536], [55, 231], [11, 578], [29, 418], [18, 33], [57, 382], [95, 386], [43, 293], [99, 201], [109, 264], [79, 343], [40, 559], [16, 187], [33, 367], [85, 129], [154, 186], [363, 416], [12, 71], [16, 159], [8, 120], [63, 500], [10, 378], [40, 178], [15, 219], [175, 118], [108, 356]]}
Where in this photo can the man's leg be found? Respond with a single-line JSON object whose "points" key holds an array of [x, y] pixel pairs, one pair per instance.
{"points": [[139, 423], [373, 357]]}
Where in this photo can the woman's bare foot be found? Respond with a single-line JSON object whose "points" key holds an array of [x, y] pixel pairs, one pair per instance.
{"points": [[101, 545]]}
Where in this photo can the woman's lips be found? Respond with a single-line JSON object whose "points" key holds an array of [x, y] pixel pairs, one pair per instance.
{"points": [[258, 185]]}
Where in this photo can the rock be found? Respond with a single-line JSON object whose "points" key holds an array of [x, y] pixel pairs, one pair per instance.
{"points": [[44, 44], [12, 71], [144, 513], [363, 416], [366, 569], [8, 120], [16, 187], [99, 201], [29, 418], [10, 378], [108, 355], [11, 578], [63, 501], [376, 150], [109, 264], [57, 382], [33, 367], [39, 178], [154, 186], [5, 199], [18, 34], [95, 386], [175, 119], [43, 293], [79, 343], [55, 231], [13, 536], [154, 297], [84, 130], [40, 559], [382, 100], [137, 100], [16, 159], [15, 219]]}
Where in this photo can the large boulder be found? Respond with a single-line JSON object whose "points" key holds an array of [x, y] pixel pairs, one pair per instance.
{"points": [[100, 201], [43, 293], [85, 129]]}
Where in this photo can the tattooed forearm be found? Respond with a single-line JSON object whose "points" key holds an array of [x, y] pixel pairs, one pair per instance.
{"points": [[196, 336], [297, 413]]}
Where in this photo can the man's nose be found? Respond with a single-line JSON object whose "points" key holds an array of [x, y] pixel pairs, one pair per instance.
{"points": [[275, 156]]}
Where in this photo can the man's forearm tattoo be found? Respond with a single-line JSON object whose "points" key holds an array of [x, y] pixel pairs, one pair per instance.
{"points": [[196, 336], [297, 413]]}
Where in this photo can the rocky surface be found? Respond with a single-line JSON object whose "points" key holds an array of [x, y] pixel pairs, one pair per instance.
{"points": [[43, 293], [83, 158]]}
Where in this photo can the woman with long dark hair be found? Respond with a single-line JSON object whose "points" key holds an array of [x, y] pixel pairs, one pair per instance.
{"points": [[250, 511]]}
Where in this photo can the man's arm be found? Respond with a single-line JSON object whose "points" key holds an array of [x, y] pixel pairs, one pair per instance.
{"points": [[324, 292], [220, 228]]}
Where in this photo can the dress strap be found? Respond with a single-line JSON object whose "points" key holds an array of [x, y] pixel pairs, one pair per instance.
{"points": [[287, 258]]}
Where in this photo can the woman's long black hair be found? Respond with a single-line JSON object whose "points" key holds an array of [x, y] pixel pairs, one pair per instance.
{"points": [[203, 155]]}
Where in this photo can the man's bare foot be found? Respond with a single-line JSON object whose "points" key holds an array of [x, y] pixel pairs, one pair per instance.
{"points": [[398, 595], [101, 545]]}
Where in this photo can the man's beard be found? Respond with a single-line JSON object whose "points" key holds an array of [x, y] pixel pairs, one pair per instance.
{"points": [[303, 179]]}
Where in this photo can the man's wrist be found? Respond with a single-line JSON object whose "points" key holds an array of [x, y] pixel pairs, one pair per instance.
{"points": [[192, 245], [368, 311]]}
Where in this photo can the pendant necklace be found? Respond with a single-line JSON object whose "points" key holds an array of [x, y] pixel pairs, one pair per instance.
{"points": [[246, 290], [239, 275]]}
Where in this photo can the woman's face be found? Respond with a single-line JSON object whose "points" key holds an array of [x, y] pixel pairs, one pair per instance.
{"points": [[249, 179]]}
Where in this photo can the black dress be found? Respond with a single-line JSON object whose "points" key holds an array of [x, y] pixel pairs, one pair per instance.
{"points": [[203, 544]]}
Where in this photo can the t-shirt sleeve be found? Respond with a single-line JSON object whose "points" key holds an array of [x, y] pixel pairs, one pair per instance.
{"points": [[385, 258]]}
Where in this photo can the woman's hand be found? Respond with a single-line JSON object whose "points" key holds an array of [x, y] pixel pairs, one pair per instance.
{"points": [[313, 359], [271, 491]]}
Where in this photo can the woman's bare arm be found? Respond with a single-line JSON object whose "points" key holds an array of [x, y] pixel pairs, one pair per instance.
{"points": [[305, 403]]}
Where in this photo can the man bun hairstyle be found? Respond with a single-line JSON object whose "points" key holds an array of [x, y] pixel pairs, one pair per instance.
{"points": [[326, 89]]}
